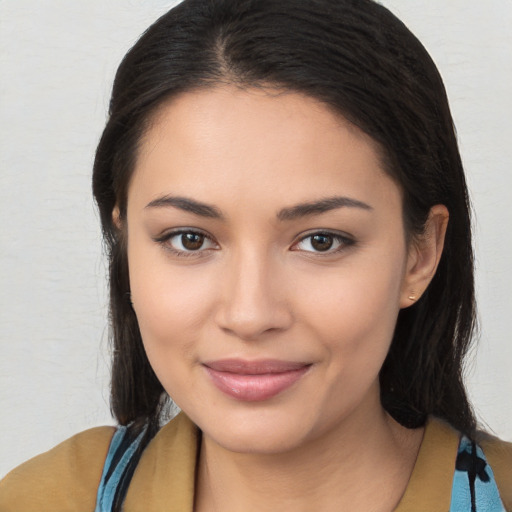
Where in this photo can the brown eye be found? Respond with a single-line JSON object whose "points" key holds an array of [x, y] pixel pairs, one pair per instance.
{"points": [[184, 242], [322, 242], [192, 241]]}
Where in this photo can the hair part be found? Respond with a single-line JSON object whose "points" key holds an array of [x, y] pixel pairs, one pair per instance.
{"points": [[363, 63]]}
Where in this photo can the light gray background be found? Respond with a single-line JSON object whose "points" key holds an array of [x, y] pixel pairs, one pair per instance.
{"points": [[57, 60]]}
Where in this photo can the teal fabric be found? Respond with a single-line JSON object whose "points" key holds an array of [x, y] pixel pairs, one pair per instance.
{"points": [[118, 459], [474, 487]]}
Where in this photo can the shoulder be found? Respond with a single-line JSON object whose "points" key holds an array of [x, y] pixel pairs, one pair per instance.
{"points": [[433, 480], [167, 469], [499, 456], [65, 478]]}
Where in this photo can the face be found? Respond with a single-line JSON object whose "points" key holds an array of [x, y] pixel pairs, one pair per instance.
{"points": [[267, 263]]}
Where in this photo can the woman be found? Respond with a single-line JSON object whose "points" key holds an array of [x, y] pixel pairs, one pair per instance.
{"points": [[290, 260]]}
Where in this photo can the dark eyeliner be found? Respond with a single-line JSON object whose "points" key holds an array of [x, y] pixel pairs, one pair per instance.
{"points": [[167, 235], [345, 241]]}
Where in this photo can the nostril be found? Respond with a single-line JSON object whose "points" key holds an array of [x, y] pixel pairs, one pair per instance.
{"points": [[251, 322]]}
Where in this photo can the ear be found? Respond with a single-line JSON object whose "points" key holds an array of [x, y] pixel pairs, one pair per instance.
{"points": [[116, 217], [424, 255]]}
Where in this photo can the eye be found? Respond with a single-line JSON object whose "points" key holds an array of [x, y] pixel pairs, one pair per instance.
{"points": [[323, 242], [185, 242]]}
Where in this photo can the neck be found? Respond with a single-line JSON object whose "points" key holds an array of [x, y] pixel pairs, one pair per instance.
{"points": [[364, 463]]}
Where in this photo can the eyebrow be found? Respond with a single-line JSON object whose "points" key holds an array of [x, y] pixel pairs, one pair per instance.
{"points": [[320, 206], [286, 214], [187, 205]]}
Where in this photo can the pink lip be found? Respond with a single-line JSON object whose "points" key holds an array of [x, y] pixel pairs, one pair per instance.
{"points": [[254, 381]]}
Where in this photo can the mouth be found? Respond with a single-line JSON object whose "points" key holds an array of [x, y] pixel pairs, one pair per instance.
{"points": [[254, 381]]}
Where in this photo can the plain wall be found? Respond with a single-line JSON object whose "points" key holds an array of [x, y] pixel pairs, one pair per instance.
{"points": [[57, 61]]}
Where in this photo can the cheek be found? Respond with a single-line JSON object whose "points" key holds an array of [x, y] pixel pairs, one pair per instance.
{"points": [[355, 322], [360, 297], [355, 312], [171, 303]]}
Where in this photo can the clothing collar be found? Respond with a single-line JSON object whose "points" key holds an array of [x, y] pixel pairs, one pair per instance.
{"points": [[165, 476]]}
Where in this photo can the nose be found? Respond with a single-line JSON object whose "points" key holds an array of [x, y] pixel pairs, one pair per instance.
{"points": [[254, 301]]}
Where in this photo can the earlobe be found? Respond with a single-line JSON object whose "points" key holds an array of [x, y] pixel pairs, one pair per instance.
{"points": [[424, 256], [116, 217]]}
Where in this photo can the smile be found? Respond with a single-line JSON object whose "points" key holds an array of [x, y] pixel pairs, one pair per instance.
{"points": [[254, 381]]}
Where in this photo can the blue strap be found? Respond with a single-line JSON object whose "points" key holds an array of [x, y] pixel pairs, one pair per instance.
{"points": [[120, 453], [474, 487]]}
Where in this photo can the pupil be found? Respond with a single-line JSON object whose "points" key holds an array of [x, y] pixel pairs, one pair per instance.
{"points": [[322, 242], [192, 241]]}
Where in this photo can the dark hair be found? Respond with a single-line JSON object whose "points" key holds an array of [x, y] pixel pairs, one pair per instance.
{"points": [[362, 62]]}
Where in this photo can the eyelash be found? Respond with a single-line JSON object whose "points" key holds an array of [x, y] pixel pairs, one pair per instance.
{"points": [[345, 241], [166, 237]]}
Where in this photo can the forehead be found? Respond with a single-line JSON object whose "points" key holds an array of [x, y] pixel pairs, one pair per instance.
{"points": [[256, 112], [242, 143]]}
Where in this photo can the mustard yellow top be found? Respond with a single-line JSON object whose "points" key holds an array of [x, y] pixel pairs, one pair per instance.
{"points": [[66, 478]]}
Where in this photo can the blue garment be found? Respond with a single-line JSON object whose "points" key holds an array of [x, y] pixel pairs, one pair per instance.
{"points": [[122, 458], [474, 488]]}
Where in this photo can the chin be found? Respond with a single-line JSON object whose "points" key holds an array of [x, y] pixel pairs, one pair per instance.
{"points": [[260, 430], [258, 441]]}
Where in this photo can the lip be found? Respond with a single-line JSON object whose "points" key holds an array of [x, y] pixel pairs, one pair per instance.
{"points": [[254, 381]]}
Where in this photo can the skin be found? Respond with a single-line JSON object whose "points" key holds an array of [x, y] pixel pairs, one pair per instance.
{"points": [[258, 288]]}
